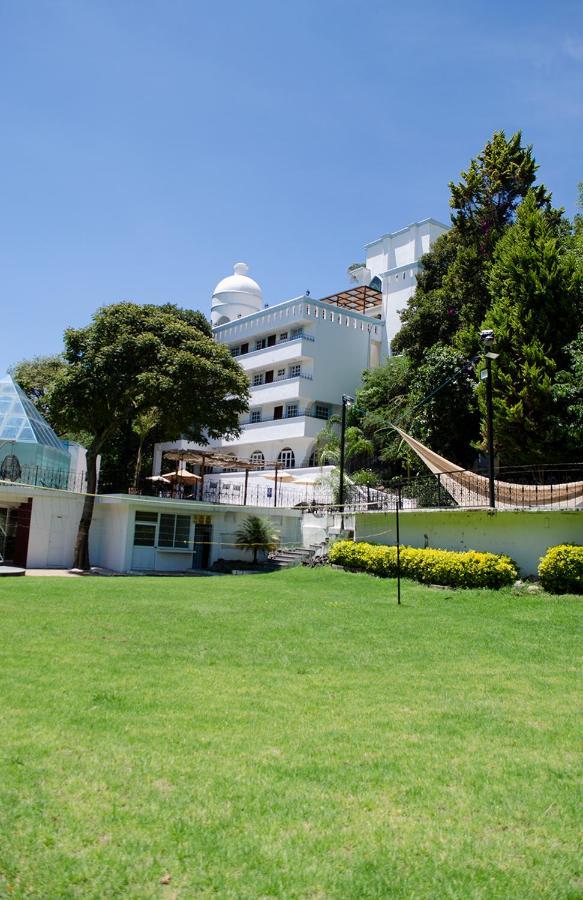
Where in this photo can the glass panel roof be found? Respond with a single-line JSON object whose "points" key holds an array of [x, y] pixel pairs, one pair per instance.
{"points": [[20, 420]]}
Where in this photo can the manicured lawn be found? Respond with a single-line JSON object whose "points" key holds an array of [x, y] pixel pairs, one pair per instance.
{"points": [[288, 735]]}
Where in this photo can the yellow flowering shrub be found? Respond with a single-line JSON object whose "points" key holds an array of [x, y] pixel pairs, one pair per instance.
{"points": [[561, 569], [468, 569]]}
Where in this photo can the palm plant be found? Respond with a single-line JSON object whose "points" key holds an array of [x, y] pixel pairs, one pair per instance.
{"points": [[256, 534]]}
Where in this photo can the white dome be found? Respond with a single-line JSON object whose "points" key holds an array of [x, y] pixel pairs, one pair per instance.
{"points": [[235, 296], [239, 283]]}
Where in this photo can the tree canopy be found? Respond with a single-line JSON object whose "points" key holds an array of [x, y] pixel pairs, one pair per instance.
{"points": [[509, 262], [132, 359]]}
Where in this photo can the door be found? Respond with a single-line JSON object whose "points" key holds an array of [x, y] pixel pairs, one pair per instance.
{"points": [[278, 412], [202, 546], [57, 533], [269, 377]]}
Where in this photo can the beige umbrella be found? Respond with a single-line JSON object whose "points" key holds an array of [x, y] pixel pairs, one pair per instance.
{"points": [[183, 476], [289, 479]]}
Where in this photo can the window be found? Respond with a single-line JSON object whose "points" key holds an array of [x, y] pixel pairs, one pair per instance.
{"points": [[235, 351], [261, 343], [286, 458], [322, 412], [174, 531], [404, 275], [295, 371], [244, 348], [145, 529], [296, 332], [257, 458], [291, 410], [258, 379], [255, 415], [283, 337], [280, 374]]}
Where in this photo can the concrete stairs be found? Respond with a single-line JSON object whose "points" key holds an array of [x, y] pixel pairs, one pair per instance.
{"points": [[287, 557]]}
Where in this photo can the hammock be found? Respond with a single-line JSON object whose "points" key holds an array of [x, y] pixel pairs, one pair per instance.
{"points": [[470, 489]]}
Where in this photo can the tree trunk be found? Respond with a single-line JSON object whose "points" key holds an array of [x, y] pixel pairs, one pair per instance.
{"points": [[138, 463], [81, 556], [254, 555]]}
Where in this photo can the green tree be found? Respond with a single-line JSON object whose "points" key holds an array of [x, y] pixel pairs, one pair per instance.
{"points": [[357, 447], [568, 394], [143, 424], [36, 376], [536, 311], [452, 295], [255, 534], [127, 361]]}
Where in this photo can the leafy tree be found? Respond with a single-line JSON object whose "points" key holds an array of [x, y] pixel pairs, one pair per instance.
{"points": [[131, 359], [568, 394], [448, 422], [143, 424], [36, 376], [384, 399], [452, 295], [356, 445], [536, 311], [256, 533]]}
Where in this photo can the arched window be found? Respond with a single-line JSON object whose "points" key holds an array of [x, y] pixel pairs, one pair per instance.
{"points": [[313, 460], [286, 458], [376, 283], [257, 458]]}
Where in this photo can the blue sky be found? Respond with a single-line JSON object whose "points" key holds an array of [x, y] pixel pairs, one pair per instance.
{"points": [[147, 146]]}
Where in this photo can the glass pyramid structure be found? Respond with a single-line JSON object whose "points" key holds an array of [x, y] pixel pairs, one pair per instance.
{"points": [[20, 420], [30, 451]]}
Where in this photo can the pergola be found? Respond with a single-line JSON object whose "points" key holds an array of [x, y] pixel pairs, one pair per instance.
{"points": [[357, 299], [211, 458]]}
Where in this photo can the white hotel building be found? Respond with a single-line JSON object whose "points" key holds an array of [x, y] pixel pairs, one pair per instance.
{"points": [[302, 355]]}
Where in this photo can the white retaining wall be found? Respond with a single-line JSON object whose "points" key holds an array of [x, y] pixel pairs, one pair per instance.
{"points": [[525, 535]]}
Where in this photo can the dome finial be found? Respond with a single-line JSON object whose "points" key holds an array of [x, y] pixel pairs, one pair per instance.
{"points": [[240, 268]]}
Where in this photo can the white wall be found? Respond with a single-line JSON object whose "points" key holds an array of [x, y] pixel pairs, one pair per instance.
{"points": [[53, 529], [525, 535]]}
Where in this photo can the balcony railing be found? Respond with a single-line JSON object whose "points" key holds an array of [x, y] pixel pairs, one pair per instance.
{"points": [[303, 336], [248, 420], [283, 378]]}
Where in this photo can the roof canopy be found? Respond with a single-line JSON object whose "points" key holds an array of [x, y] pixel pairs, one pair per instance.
{"points": [[211, 458], [358, 299], [20, 420]]}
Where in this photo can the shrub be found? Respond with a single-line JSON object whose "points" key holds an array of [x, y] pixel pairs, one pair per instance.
{"points": [[561, 569], [429, 566]]}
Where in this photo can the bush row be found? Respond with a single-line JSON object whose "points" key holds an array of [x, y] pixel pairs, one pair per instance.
{"points": [[469, 569], [561, 569]]}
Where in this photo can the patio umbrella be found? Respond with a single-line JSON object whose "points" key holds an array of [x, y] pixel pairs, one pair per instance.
{"points": [[183, 476], [159, 478]]}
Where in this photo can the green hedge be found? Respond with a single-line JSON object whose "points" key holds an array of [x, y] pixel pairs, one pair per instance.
{"points": [[447, 567], [561, 569]]}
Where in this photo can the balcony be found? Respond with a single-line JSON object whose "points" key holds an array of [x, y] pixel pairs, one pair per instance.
{"points": [[281, 353]]}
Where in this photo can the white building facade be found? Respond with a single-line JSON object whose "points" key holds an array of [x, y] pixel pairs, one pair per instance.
{"points": [[303, 354]]}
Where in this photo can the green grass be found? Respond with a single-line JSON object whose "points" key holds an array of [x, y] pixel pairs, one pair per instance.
{"points": [[288, 735]]}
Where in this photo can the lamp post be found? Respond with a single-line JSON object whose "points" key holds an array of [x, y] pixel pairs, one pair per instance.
{"points": [[488, 338], [346, 402]]}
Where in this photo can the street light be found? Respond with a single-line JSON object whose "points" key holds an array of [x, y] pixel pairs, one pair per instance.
{"points": [[487, 337], [346, 401]]}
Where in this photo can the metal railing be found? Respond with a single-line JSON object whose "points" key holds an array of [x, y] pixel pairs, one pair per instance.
{"points": [[522, 487]]}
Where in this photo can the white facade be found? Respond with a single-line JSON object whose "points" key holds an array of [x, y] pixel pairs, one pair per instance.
{"points": [[135, 534], [394, 259], [302, 355]]}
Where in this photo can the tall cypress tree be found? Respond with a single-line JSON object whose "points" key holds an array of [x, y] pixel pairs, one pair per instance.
{"points": [[535, 288]]}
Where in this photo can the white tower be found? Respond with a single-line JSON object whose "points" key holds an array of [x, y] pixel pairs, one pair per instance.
{"points": [[235, 296]]}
